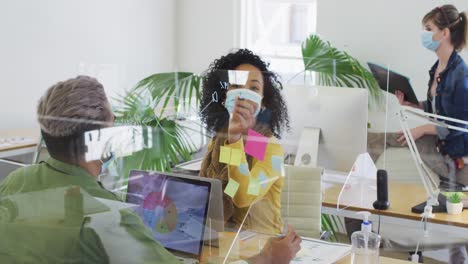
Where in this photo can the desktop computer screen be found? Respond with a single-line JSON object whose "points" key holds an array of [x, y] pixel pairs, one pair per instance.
{"points": [[341, 114]]}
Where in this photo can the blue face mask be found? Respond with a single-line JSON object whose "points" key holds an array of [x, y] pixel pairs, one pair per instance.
{"points": [[427, 42], [105, 164], [243, 94]]}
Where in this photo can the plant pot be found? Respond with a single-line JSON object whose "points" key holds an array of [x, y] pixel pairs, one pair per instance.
{"points": [[454, 208]]}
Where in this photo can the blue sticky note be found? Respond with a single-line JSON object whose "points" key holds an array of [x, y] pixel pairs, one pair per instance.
{"points": [[263, 180], [277, 163], [244, 169]]}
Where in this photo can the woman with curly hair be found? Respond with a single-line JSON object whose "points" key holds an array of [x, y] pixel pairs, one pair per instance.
{"points": [[263, 110]]}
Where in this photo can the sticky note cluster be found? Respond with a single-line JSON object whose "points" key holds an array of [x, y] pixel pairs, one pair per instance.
{"points": [[230, 156]]}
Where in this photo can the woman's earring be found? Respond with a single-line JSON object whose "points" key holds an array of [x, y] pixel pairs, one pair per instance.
{"points": [[222, 103]]}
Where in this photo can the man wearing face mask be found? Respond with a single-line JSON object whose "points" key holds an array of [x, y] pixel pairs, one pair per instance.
{"points": [[252, 101], [45, 212], [62, 184]]}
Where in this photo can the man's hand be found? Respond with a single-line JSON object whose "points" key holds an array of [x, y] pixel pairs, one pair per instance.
{"points": [[242, 119], [279, 250]]}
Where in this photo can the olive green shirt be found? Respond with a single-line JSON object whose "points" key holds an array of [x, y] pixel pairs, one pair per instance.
{"points": [[49, 214]]}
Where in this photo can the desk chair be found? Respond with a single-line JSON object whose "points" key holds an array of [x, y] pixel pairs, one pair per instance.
{"points": [[301, 200]]}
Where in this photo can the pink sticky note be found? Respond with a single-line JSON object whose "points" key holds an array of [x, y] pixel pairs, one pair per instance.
{"points": [[256, 145]]}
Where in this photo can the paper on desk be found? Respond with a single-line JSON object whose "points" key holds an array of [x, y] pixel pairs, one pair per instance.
{"points": [[360, 184], [320, 252], [364, 167]]}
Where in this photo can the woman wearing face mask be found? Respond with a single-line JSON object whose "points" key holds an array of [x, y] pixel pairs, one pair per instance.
{"points": [[256, 104], [444, 151], [445, 33]]}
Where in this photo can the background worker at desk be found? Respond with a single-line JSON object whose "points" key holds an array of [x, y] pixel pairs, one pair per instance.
{"points": [[443, 150], [65, 112]]}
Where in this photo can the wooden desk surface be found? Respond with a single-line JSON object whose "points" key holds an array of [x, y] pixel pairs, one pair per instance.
{"points": [[252, 247], [27, 133], [402, 197], [346, 260]]}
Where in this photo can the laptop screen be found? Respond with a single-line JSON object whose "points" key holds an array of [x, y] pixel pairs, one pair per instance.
{"points": [[173, 208]]}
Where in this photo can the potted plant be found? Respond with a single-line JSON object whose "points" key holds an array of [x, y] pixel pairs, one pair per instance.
{"points": [[454, 204]]}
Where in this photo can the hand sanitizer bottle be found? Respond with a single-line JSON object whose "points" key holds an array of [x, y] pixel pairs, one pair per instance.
{"points": [[365, 244]]}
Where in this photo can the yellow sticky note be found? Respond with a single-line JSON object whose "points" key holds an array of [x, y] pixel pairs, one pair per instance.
{"points": [[231, 188], [254, 187], [236, 157], [225, 155]]}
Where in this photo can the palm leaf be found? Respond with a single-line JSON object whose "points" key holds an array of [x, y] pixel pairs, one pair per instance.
{"points": [[337, 68], [171, 142], [329, 225], [179, 86]]}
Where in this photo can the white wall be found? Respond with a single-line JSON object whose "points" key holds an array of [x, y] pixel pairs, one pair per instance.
{"points": [[206, 30], [42, 42], [386, 32]]}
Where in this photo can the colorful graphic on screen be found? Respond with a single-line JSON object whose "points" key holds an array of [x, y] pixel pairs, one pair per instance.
{"points": [[160, 212], [174, 209]]}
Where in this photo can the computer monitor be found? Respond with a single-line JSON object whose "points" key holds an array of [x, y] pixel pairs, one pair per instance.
{"points": [[341, 114], [174, 208]]}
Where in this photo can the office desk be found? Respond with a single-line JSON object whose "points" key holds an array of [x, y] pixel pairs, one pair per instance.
{"points": [[25, 147], [402, 197], [345, 260], [443, 229], [251, 247]]}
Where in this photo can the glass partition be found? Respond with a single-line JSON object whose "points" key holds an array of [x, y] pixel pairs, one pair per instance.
{"points": [[204, 167]]}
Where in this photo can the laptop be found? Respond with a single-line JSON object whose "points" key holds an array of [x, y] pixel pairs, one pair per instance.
{"points": [[174, 208]]}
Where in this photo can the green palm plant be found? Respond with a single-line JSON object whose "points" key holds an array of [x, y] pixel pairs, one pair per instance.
{"points": [[337, 68], [147, 105]]}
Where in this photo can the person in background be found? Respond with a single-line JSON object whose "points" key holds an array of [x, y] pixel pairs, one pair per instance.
{"points": [[445, 34], [444, 151]]}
